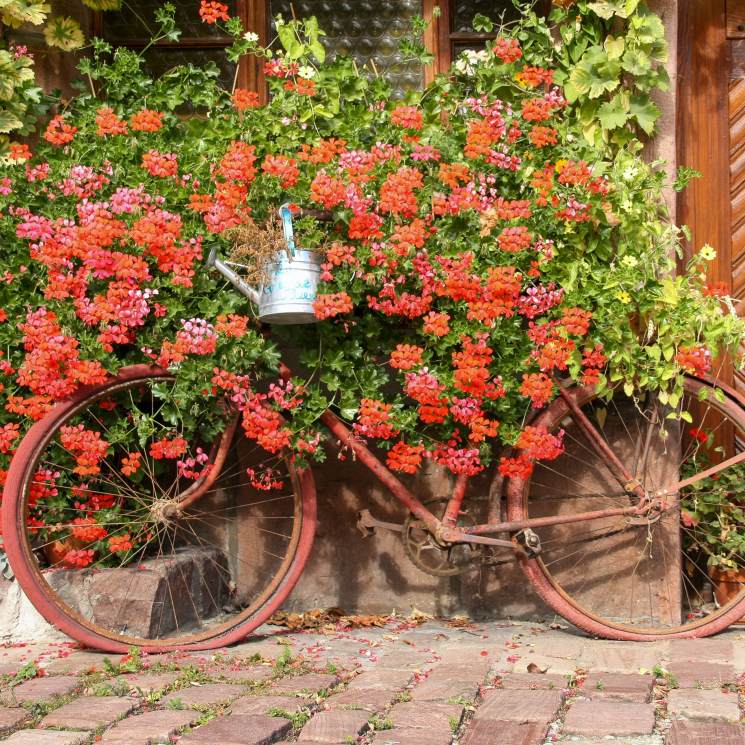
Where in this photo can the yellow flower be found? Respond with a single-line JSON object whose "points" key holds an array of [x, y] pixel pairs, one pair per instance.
{"points": [[630, 261], [64, 32], [560, 165], [624, 297], [708, 253]]}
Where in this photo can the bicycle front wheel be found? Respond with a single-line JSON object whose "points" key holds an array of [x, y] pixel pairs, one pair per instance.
{"points": [[100, 538], [652, 575]]}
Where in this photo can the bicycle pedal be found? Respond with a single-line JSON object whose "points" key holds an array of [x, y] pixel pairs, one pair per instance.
{"points": [[529, 541]]}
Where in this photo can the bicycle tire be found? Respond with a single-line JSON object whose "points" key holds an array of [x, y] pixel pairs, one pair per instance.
{"points": [[49, 602], [553, 589]]}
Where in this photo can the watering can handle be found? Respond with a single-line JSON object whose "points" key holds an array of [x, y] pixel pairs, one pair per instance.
{"points": [[285, 214]]}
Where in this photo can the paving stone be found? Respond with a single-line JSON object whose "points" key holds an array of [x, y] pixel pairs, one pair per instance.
{"points": [[11, 718], [703, 705], [712, 650], [556, 665], [438, 689], [487, 732], [264, 704], [701, 674], [502, 705], [601, 718], [90, 712], [151, 727], [334, 726], [705, 733], [529, 681], [42, 689], [78, 663], [388, 680], [424, 715], [620, 657], [408, 736], [617, 686], [242, 729], [209, 694], [147, 683], [42, 737], [254, 674], [311, 682], [368, 700]]}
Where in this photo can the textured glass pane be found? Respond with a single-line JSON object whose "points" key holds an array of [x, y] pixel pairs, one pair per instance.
{"points": [[159, 60], [365, 30], [136, 20], [465, 10]]}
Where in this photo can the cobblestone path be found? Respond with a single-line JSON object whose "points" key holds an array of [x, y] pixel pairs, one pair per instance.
{"points": [[404, 684]]}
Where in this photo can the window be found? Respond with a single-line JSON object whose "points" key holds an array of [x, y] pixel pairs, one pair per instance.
{"points": [[134, 25], [367, 30]]}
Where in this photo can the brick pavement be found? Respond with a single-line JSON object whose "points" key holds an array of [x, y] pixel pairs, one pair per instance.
{"points": [[405, 684]]}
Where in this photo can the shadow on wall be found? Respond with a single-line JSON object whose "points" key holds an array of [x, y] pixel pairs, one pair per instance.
{"points": [[374, 575]]}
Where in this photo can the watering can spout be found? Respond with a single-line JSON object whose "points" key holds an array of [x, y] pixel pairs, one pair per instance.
{"points": [[236, 280]]}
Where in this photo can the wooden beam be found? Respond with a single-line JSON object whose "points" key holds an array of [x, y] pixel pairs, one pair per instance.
{"points": [[703, 128]]}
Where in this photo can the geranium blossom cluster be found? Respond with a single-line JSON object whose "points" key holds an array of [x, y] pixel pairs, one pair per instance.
{"points": [[454, 296]]}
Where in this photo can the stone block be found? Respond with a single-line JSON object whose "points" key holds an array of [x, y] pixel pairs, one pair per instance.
{"points": [[712, 650], [242, 729], [334, 726], [149, 728], [45, 737], [78, 663], [424, 715], [265, 704], [439, 689], [407, 736], [701, 674], [147, 683], [152, 599], [530, 682], [705, 733], [369, 700], [209, 694], [614, 718], [617, 686], [11, 719], [501, 705], [311, 683], [486, 732], [253, 674], [703, 705], [42, 689], [90, 712], [621, 657], [388, 680]]}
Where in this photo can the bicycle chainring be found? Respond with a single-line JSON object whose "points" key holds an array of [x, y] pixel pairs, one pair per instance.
{"points": [[432, 557]]}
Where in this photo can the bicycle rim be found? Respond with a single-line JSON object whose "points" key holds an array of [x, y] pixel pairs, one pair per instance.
{"points": [[649, 577], [101, 554]]}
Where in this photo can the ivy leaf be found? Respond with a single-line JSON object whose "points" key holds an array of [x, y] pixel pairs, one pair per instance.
{"points": [[482, 24], [608, 8], [318, 51], [614, 46], [612, 114], [645, 111], [9, 121]]}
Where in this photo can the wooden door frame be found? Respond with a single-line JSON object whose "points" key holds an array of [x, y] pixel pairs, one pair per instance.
{"points": [[702, 129]]}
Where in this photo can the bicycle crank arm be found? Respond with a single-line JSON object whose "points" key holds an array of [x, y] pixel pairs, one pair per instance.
{"points": [[367, 524]]}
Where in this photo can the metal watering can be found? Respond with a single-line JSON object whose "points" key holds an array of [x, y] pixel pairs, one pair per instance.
{"points": [[288, 294]]}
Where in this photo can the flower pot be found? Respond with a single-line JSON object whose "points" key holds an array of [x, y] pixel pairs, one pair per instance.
{"points": [[728, 583]]}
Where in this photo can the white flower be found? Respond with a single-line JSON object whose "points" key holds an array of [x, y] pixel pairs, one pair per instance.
{"points": [[251, 36], [306, 71]]}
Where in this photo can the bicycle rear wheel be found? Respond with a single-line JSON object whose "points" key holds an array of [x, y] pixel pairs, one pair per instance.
{"points": [[645, 577], [95, 532]]}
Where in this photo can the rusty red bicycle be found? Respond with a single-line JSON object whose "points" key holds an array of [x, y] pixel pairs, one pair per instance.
{"points": [[219, 556]]}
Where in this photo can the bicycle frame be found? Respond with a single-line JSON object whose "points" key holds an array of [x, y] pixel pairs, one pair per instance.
{"points": [[445, 529]]}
